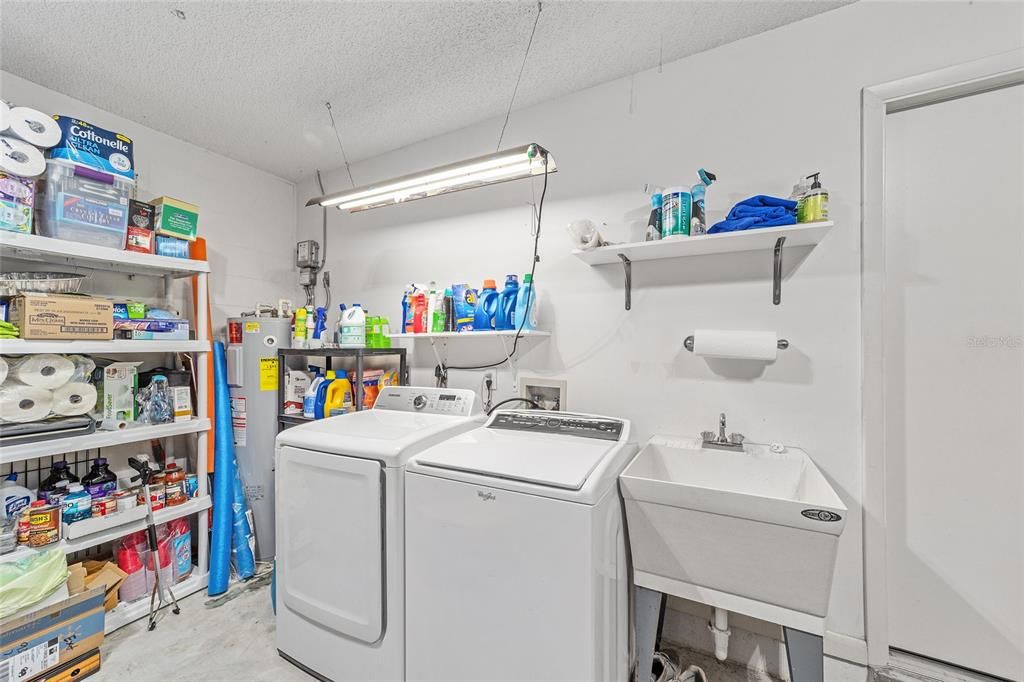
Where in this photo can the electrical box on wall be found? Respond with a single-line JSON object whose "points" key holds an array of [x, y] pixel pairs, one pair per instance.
{"points": [[307, 254]]}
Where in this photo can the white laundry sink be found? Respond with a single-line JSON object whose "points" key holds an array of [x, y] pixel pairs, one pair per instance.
{"points": [[748, 530]]}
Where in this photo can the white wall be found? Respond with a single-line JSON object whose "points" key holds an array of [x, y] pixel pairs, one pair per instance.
{"points": [[759, 112], [246, 215]]}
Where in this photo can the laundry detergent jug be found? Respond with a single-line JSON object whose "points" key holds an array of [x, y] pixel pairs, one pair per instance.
{"points": [[526, 305], [321, 395], [338, 399], [486, 307], [506, 313]]}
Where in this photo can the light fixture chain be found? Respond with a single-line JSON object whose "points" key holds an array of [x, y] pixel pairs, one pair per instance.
{"points": [[522, 68], [344, 158]]}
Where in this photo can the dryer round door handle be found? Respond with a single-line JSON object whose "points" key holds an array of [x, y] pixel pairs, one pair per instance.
{"points": [[419, 402]]}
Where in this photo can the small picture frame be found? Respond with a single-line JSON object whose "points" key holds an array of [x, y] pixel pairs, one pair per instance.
{"points": [[550, 394]]}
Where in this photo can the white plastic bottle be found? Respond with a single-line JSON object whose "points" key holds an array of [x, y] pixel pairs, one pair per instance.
{"points": [[15, 497], [309, 397], [353, 327]]}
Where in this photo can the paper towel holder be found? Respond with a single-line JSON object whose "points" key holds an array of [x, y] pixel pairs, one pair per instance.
{"points": [[782, 344]]}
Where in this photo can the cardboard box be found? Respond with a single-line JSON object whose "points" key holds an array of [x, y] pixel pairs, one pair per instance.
{"points": [[41, 641], [62, 316], [176, 218], [120, 384], [105, 575], [77, 669]]}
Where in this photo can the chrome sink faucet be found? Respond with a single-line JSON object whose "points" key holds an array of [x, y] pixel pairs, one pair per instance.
{"points": [[734, 441]]}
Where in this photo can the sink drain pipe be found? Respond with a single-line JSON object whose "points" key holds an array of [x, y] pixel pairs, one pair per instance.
{"points": [[720, 629]]}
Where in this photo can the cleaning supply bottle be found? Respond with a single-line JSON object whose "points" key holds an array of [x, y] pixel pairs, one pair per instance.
{"points": [[100, 481], [58, 472], [419, 313], [319, 327], [309, 397], [526, 305], [407, 304], [449, 310], [321, 394], [486, 307], [77, 504], [338, 398], [353, 327], [299, 329], [654, 221], [813, 206], [698, 219], [431, 307], [15, 497], [337, 329], [675, 212], [504, 317]]}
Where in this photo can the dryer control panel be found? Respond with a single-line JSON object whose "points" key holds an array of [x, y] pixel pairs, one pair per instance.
{"points": [[564, 423], [455, 402]]}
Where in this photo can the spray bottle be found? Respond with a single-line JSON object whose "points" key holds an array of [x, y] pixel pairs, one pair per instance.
{"points": [[698, 219], [319, 327], [299, 329], [654, 222]]}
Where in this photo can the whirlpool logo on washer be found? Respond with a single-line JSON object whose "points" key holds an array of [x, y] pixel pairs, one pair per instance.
{"points": [[821, 515], [486, 497]]}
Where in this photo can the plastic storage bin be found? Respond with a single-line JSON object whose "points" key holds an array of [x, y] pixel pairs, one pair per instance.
{"points": [[81, 204]]}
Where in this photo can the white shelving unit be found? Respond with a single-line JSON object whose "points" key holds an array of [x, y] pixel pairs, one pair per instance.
{"points": [[444, 343], [35, 248], [492, 334], [763, 239]]}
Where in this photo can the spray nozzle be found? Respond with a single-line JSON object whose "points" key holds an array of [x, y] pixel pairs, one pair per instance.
{"points": [[813, 177], [706, 176]]}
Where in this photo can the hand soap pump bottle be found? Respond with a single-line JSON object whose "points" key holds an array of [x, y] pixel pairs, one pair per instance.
{"points": [[813, 206], [654, 222]]}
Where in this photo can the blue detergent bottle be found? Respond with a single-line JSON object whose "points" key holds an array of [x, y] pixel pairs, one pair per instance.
{"points": [[321, 394], [526, 305], [506, 313], [486, 307]]}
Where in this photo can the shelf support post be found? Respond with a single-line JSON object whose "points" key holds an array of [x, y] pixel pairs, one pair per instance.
{"points": [[777, 278], [627, 267]]}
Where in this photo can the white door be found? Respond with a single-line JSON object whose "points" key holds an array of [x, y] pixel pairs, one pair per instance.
{"points": [[954, 381], [331, 542]]}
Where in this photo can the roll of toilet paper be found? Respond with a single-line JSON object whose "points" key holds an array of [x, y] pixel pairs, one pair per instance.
{"points": [[736, 345], [44, 371], [74, 398], [18, 157], [5, 116], [19, 403], [34, 127], [3, 370], [113, 425]]}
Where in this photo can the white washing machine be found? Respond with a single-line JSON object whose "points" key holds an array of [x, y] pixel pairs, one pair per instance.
{"points": [[515, 552], [339, 518]]}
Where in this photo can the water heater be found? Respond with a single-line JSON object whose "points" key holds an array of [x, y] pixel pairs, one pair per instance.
{"points": [[253, 375]]}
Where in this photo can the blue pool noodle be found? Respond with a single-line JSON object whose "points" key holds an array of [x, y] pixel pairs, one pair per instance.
{"points": [[241, 552], [223, 483]]}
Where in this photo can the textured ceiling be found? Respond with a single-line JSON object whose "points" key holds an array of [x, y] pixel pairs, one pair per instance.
{"points": [[249, 79]]}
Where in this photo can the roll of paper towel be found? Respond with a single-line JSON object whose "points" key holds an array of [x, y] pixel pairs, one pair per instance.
{"points": [[44, 371], [74, 398], [20, 403], [736, 345]]}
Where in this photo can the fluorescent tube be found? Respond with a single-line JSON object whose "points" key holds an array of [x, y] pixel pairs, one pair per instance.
{"points": [[512, 164]]}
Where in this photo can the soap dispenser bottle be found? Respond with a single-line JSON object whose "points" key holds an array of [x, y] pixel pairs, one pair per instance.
{"points": [[813, 206]]}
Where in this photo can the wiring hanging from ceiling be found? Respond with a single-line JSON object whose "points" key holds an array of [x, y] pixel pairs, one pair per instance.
{"points": [[344, 157], [519, 78], [323, 256]]}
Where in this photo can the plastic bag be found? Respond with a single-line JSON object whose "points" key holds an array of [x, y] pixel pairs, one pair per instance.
{"points": [[27, 582], [38, 387]]}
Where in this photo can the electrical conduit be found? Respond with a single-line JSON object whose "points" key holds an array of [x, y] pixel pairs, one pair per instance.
{"points": [[720, 629]]}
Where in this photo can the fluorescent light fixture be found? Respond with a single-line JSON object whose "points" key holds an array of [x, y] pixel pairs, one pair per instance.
{"points": [[512, 164]]}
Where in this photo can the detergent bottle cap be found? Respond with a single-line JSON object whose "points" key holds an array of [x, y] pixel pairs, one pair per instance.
{"points": [[490, 284], [448, 291], [511, 279], [341, 307], [656, 200], [13, 476], [330, 374], [815, 183], [356, 305], [527, 278]]}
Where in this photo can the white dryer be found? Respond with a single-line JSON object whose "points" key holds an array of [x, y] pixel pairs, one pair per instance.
{"points": [[339, 518], [515, 552]]}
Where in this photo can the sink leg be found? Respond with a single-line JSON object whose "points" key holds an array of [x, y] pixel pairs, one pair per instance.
{"points": [[806, 653], [650, 606]]}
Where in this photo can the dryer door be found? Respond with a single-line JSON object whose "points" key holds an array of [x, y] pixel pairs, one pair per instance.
{"points": [[330, 536]]}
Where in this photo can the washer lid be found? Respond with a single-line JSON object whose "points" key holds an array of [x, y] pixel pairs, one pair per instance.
{"points": [[556, 461]]}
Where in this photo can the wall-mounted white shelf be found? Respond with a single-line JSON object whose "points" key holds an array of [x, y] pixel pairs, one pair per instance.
{"points": [[504, 333], [100, 439], [766, 238], [33, 247], [116, 529], [117, 346], [502, 342]]}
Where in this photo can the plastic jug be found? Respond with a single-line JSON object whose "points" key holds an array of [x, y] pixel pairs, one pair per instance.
{"points": [[58, 472], [339, 395], [77, 504], [309, 397], [15, 497], [321, 395], [486, 307], [353, 327], [101, 481], [526, 305], [504, 317]]}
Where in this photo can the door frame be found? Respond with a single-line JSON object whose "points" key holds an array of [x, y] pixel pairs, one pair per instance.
{"points": [[963, 80]]}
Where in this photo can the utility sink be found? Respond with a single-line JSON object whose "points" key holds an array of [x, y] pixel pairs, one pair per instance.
{"points": [[752, 530]]}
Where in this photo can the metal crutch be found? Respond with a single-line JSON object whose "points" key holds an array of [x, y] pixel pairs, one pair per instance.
{"points": [[156, 597]]}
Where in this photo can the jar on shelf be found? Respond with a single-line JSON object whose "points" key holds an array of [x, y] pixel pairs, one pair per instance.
{"points": [[174, 485]]}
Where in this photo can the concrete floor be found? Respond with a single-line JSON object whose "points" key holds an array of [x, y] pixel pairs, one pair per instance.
{"points": [[237, 645]]}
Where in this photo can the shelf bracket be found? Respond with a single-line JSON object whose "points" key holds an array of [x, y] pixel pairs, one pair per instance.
{"points": [[627, 267], [777, 278], [511, 364]]}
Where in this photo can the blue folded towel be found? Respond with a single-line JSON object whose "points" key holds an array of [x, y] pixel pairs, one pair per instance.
{"points": [[755, 212]]}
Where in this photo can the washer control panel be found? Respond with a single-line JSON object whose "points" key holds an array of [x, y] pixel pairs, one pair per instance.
{"points": [[563, 423], [456, 402]]}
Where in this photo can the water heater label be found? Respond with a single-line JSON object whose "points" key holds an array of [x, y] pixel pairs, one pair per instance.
{"points": [[239, 421], [268, 374]]}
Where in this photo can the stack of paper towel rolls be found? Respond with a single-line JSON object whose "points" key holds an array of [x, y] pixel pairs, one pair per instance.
{"points": [[36, 387]]}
